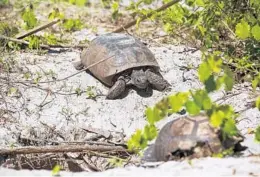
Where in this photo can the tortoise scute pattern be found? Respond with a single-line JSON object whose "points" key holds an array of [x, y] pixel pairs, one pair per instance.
{"points": [[184, 134], [128, 52]]}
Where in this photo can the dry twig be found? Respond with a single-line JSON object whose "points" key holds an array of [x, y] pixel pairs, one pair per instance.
{"points": [[61, 149], [132, 23], [37, 29]]}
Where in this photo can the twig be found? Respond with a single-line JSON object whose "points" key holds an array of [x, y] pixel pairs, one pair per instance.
{"points": [[58, 80], [43, 46], [22, 41], [61, 149], [37, 29], [165, 6]]}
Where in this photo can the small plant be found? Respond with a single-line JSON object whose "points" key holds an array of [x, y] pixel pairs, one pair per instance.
{"points": [[115, 10], [90, 92], [56, 170], [72, 24], [29, 18]]}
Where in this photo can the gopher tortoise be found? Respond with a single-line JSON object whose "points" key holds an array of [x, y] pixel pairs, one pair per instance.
{"points": [[121, 60], [190, 137]]}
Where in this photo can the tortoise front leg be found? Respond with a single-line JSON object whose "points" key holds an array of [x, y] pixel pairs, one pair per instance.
{"points": [[117, 89], [157, 81]]}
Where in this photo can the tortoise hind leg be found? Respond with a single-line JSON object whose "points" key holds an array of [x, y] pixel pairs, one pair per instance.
{"points": [[157, 81], [117, 89], [78, 65]]}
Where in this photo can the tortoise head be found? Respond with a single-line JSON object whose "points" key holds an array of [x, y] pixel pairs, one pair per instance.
{"points": [[139, 79]]}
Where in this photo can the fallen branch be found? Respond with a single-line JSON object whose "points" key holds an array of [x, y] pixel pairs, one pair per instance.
{"points": [[43, 46], [57, 80], [22, 41], [132, 23], [37, 29], [61, 149]]}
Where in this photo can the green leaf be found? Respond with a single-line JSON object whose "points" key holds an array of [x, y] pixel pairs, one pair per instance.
{"points": [[149, 115], [216, 118], [150, 132], [210, 84], [177, 101], [215, 63], [256, 32], [29, 18], [243, 29], [135, 141], [257, 103], [257, 134], [192, 108], [229, 128], [204, 72], [56, 170], [202, 99]]}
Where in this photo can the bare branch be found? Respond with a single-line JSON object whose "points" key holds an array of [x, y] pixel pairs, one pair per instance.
{"points": [[37, 29], [132, 23], [61, 149]]}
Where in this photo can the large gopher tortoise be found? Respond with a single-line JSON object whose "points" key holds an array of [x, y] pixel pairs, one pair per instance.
{"points": [[190, 137], [126, 61]]}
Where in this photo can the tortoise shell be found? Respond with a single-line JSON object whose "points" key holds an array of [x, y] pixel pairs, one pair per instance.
{"points": [[123, 52], [183, 135]]}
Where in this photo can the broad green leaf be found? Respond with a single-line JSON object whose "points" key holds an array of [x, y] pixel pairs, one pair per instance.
{"points": [[210, 84], [227, 110], [216, 118], [257, 134], [149, 115], [192, 108], [257, 103], [137, 141], [243, 29], [215, 63], [56, 170], [204, 72], [177, 101], [157, 114], [202, 99], [229, 128], [29, 18], [150, 132], [256, 32]]}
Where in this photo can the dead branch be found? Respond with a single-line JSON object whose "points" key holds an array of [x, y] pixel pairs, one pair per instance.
{"points": [[43, 46], [61, 149], [163, 7], [37, 29], [22, 41]]}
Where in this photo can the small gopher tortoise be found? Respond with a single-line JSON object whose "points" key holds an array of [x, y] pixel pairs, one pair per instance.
{"points": [[189, 137], [129, 62]]}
